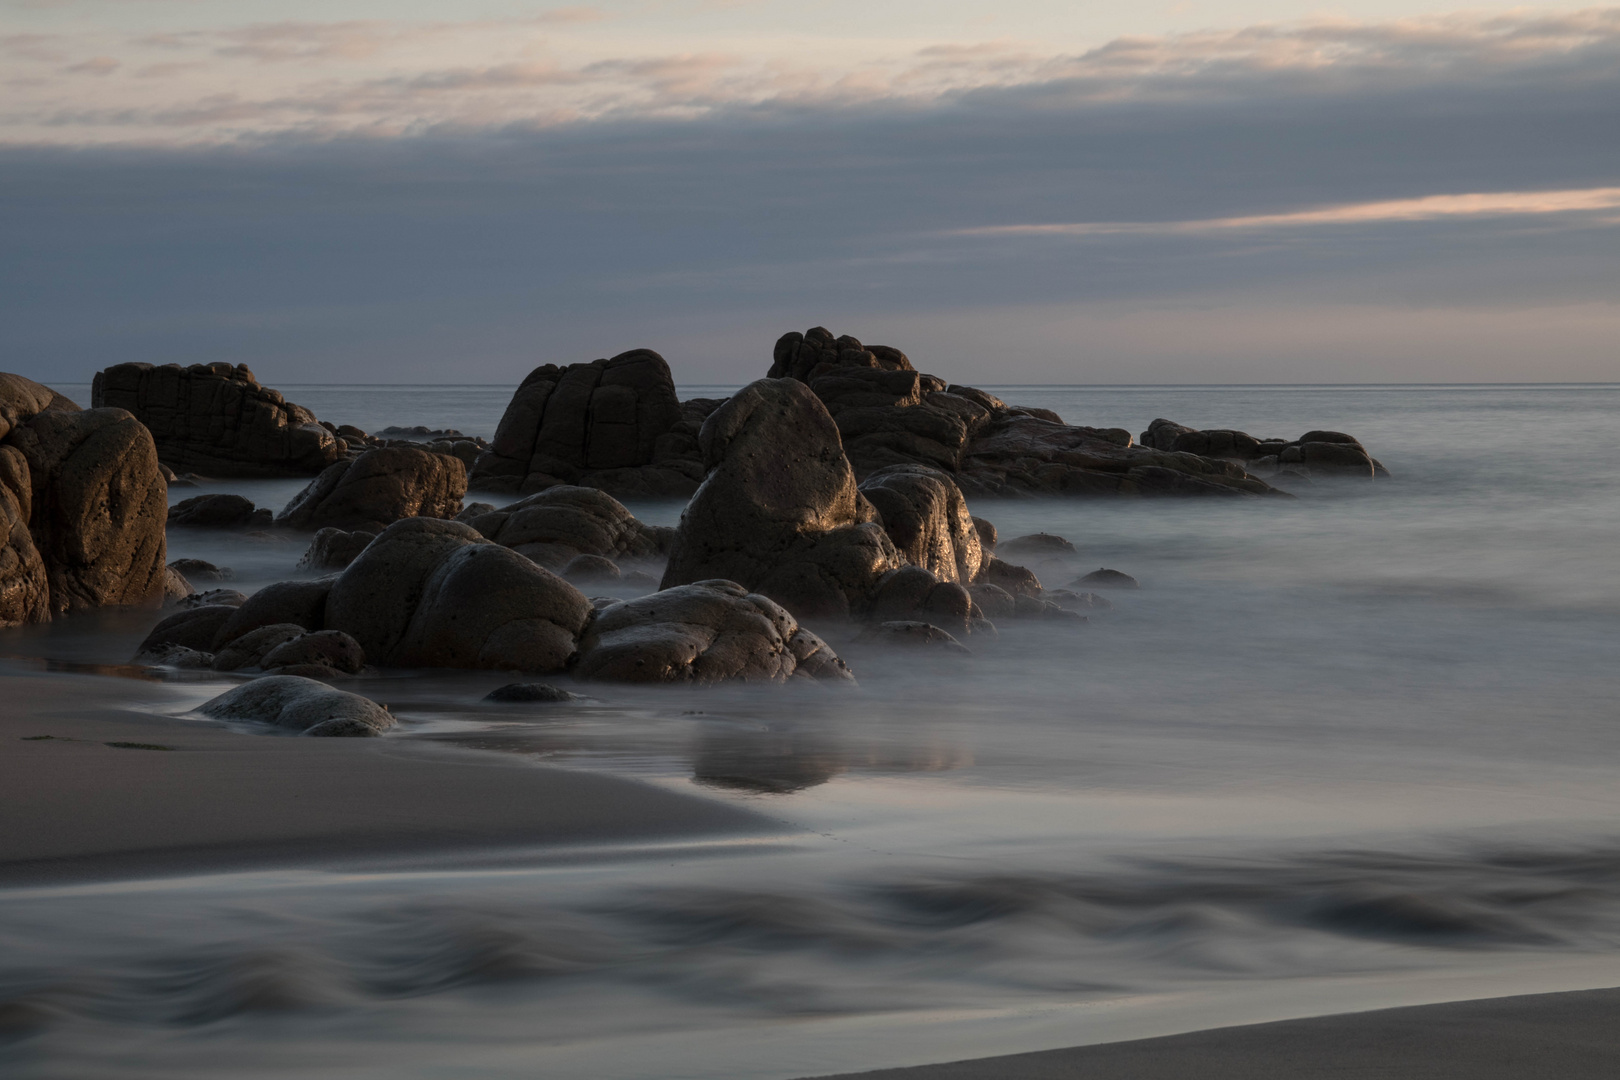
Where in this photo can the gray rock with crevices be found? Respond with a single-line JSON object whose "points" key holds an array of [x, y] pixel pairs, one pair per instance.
{"points": [[302, 705]]}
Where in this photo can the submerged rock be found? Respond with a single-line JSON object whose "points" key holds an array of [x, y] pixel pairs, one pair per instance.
{"points": [[377, 489], [911, 634], [302, 705], [334, 549], [534, 692], [709, 631], [198, 570], [218, 512], [1324, 453], [1036, 545], [174, 656], [1104, 578]]}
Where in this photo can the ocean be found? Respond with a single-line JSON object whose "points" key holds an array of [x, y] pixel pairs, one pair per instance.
{"points": [[1348, 750]]}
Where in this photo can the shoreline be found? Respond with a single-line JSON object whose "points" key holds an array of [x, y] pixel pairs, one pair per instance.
{"points": [[182, 797]]}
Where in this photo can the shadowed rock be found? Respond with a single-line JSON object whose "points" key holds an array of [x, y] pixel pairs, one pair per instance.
{"points": [[1315, 453], [1035, 545], [300, 603], [302, 705], [175, 656], [194, 628], [555, 526], [533, 692], [215, 419], [198, 570], [706, 632], [228, 597], [377, 489], [218, 512], [330, 649], [911, 634], [334, 549], [1105, 578], [249, 650]]}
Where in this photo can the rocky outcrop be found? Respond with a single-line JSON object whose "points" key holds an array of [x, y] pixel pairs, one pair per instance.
{"points": [[610, 424], [377, 489], [218, 512], [334, 549], [927, 519], [430, 593], [86, 482], [706, 632], [890, 414], [302, 705], [1315, 453], [215, 419], [555, 526]]}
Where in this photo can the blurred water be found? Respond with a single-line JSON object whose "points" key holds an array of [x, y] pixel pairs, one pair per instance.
{"points": [[1337, 752]]}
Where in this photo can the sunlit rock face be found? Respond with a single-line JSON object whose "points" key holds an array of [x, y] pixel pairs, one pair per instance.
{"points": [[610, 424], [216, 420], [82, 507]]}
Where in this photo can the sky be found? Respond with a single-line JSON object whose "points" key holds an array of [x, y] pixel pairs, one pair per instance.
{"points": [[1233, 191]]}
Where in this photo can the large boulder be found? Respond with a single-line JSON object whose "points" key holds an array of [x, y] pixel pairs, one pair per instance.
{"points": [[302, 705], [25, 590], [779, 511], [925, 515], [559, 524], [610, 424], [378, 488], [428, 593], [215, 419], [97, 506], [706, 632], [1315, 453]]}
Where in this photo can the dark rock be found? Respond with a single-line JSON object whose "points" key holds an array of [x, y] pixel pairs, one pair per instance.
{"points": [[300, 603], [377, 489], [216, 597], [987, 533], [218, 512], [1018, 580], [1036, 545], [555, 526], [591, 568], [1325, 453], [175, 587], [994, 601], [331, 649], [474, 510], [175, 656], [25, 589], [301, 705], [198, 570], [610, 424], [334, 549], [194, 628], [249, 650], [818, 352], [1078, 601], [531, 692], [1105, 578], [927, 519], [706, 632], [216, 419], [431, 593], [913, 634]]}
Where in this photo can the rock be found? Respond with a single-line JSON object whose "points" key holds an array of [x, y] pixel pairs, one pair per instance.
{"points": [[1326, 453], [912, 634], [818, 352], [779, 512], [249, 650], [331, 649], [987, 533], [299, 603], [474, 510], [301, 705], [994, 601], [1036, 545], [561, 523], [927, 519], [430, 593], [590, 568], [23, 399], [218, 512], [226, 597], [1105, 578], [175, 587], [194, 628], [377, 489], [706, 632], [25, 590], [175, 656], [334, 549], [97, 507], [1018, 580], [217, 420], [533, 692], [199, 570], [610, 424], [1078, 601]]}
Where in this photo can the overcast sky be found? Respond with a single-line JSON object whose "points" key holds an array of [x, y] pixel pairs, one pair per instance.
{"points": [[1025, 191]]}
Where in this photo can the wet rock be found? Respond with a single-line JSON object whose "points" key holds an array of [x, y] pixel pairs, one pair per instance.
{"points": [[1036, 545], [199, 570], [912, 634], [226, 597], [994, 601], [174, 656], [987, 534], [194, 628], [430, 593], [779, 511], [334, 549], [250, 649], [591, 568], [539, 693], [610, 424], [217, 420], [377, 489], [1316, 453], [705, 632], [1078, 601], [97, 507], [175, 587], [330, 649], [218, 512], [1018, 580], [1104, 578], [927, 519], [555, 526], [302, 705], [299, 603]]}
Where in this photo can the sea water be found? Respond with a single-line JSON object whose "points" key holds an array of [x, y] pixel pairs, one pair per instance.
{"points": [[1350, 749]]}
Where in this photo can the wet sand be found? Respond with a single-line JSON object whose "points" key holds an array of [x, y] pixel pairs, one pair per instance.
{"points": [[1571, 1036], [198, 797]]}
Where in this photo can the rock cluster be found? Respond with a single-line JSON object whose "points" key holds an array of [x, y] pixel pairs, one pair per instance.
{"points": [[378, 488], [215, 419], [610, 424], [82, 507], [1325, 453]]}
